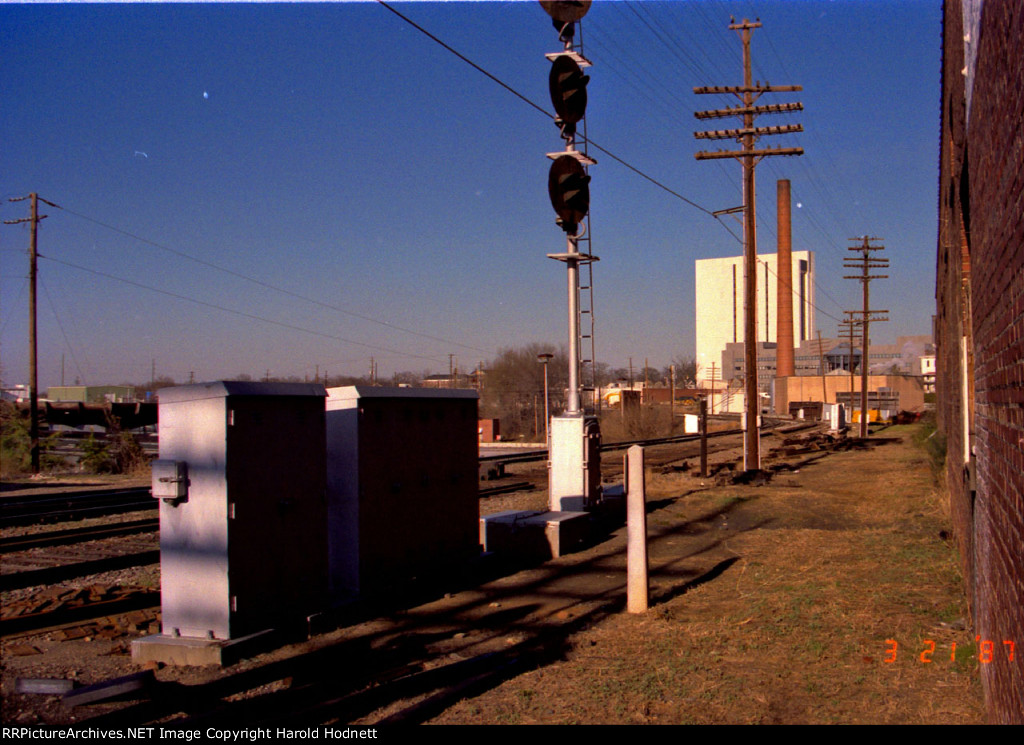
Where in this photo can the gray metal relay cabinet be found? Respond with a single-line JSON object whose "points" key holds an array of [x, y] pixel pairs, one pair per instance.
{"points": [[403, 485], [243, 546]]}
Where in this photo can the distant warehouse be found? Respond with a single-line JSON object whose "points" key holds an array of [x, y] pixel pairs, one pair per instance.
{"points": [[92, 394]]}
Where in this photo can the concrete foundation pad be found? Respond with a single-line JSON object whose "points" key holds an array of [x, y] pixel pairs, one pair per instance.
{"points": [[186, 650], [565, 531], [614, 495], [611, 510], [499, 532], [534, 535]]}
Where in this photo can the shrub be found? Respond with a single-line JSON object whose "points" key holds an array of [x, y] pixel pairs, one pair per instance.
{"points": [[95, 456], [932, 441], [16, 443], [119, 452]]}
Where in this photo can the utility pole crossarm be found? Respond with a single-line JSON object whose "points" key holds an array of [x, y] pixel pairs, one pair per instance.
{"points": [[735, 134], [737, 89], [704, 155], [772, 108]]}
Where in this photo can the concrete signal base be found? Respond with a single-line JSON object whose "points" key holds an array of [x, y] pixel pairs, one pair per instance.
{"points": [[181, 650], [574, 489], [534, 536]]}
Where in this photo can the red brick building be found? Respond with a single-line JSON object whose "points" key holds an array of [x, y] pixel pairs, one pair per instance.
{"points": [[980, 325]]}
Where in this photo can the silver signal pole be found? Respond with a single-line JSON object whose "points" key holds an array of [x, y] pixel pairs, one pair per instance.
{"points": [[572, 268]]}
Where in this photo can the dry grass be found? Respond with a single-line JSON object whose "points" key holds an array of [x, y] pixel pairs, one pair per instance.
{"points": [[826, 566]]}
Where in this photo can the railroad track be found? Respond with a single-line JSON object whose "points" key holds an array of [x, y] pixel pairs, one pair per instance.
{"points": [[532, 456], [54, 556], [76, 535], [492, 491], [54, 508], [76, 505], [59, 562], [660, 455]]}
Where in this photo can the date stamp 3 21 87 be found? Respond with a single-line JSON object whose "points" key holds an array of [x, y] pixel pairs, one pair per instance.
{"points": [[987, 650]]}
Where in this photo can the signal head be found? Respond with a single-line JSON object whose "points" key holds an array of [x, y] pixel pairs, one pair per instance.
{"points": [[569, 190], [568, 87], [566, 11]]}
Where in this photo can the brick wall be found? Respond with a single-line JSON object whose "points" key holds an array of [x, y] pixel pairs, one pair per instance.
{"points": [[952, 286], [980, 294]]}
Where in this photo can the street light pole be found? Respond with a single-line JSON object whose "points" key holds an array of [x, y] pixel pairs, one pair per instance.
{"points": [[543, 359]]}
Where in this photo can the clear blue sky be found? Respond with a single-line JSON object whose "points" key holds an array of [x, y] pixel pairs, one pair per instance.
{"points": [[335, 152]]}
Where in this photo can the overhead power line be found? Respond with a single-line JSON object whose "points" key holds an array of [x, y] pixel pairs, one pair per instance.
{"points": [[817, 308], [237, 312], [17, 301], [597, 146], [60, 325], [465, 59], [267, 285], [544, 111]]}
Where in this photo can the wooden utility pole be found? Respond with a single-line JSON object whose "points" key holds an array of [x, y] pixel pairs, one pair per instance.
{"points": [[33, 274], [850, 325], [702, 424], [671, 397], [747, 135], [33, 360], [712, 387], [821, 368], [865, 263]]}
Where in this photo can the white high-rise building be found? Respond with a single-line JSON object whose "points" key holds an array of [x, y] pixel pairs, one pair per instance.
{"points": [[720, 305]]}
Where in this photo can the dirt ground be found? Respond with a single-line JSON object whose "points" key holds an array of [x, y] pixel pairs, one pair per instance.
{"points": [[813, 599]]}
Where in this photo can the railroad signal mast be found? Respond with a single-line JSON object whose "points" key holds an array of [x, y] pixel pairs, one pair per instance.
{"points": [[750, 155], [574, 455], [569, 184], [864, 317]]}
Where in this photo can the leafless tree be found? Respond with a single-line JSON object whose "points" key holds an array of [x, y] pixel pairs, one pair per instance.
{"points": [[513, 389]]}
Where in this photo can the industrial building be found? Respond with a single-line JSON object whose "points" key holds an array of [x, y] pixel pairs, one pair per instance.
{"points": [[720, 306], [788, 347], [910, 355], [92, 394]]}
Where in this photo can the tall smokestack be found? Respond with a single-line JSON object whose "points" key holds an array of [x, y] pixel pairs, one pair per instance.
{"points": [[784, 294]]}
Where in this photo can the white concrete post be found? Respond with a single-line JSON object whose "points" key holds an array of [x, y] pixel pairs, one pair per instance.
{"points": [[636, 532]]}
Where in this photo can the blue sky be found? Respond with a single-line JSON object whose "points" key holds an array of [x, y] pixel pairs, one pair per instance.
{"points": [[334, 152]]}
